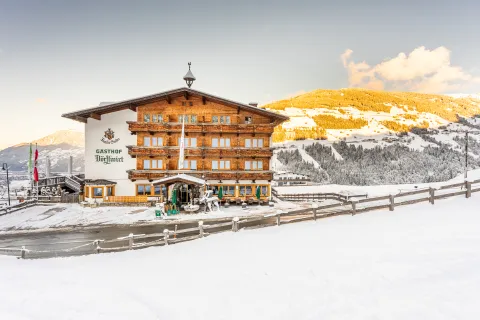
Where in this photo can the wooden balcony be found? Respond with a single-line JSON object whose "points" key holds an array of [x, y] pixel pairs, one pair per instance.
{"points": [[152, 175], [204, 152], [135, 127]]}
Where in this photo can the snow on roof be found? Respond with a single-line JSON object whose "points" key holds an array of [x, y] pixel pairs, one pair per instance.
{"points": [[180, 177]]}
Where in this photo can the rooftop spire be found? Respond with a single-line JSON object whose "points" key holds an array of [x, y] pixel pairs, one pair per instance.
{"points": [[189, 78]]}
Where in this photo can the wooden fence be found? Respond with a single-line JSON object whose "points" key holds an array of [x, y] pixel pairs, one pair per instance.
{"points": [[315, 212], [20, 206], [307, 197]]}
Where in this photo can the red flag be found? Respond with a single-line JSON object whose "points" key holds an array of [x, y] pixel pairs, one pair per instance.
{"points": [[35, 170], [35, 174]]}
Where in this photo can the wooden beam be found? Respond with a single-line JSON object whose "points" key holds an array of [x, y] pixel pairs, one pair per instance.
{"points": [[185, 94], [96, 116], [204, 100], [169, 100], [133, 108], [81, 119]]}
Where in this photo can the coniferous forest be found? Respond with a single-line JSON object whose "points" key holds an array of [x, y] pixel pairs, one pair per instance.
{"points": [[394, 164]]}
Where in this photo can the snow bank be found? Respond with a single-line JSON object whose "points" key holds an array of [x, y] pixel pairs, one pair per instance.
{"points": [[73, 215], [418, 262]]}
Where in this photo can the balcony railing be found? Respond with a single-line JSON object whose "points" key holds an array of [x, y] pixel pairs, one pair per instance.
{"points": [[134, 126], [139, 151], [151, 175]]}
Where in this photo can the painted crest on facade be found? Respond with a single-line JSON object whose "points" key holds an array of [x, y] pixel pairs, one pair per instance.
{"points": [[109, 137]]}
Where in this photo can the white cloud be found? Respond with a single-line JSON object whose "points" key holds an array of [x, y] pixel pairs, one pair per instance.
{"points": [[422, 70]]}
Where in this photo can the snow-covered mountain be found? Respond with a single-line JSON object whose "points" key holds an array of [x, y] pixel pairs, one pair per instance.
{"points": [[58, 146], [357, 136]]}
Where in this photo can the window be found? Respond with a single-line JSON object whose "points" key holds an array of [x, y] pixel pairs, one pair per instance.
{"points": [[254, 165], [221, 119], [98, 192], [188, 142], [152, 164], [246, 191], [264, 190], [146, 164], [110, 191], [188, 164], [190, 103], [144, 189], [146, 117], [220, 164], [160, 190], [146, 141], [157, 141], [229, 190], [221, 142], [158, 118], [192, 118], [254, 143], [248, 120], [225, 119]]}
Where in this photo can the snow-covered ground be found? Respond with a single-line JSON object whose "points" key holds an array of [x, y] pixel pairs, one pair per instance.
{"points": [[418, 262], [73, 215], [373, 191]]}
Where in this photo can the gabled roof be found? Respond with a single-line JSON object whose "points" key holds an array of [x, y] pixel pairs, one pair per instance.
{"points": [[95, 112], [185, 178]]}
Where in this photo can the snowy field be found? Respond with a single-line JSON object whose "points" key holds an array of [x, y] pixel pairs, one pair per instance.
{"points": [[73, 215], [373, 191], [418, 262]]}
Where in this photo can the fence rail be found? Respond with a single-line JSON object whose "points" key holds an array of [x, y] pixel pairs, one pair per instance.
{"points": [[17, 207], [167, 237]]}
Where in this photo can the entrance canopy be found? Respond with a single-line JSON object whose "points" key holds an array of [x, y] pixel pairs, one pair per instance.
{"points": [[184, 178]]}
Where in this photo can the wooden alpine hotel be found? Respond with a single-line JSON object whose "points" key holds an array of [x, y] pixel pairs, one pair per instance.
{"points": [[133, 148]]}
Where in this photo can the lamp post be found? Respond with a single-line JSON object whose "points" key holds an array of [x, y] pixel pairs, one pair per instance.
{"points": [[5, 168]]}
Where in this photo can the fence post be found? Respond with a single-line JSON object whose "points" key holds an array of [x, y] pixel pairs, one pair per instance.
{"points": [[392, 202], [432, 195], [314, 209], [468, 186], [354, 206], [24, 251], [130, 241], [166, 234], [200, 228], [235, 224], [97, 246]]}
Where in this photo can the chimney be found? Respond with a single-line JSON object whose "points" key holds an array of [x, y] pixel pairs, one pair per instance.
{"points": [[253, 104]]}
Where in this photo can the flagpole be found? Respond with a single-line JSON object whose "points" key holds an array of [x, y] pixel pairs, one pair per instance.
{"points": [[181, 158]]}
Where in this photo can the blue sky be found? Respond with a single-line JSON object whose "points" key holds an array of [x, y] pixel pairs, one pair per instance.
{"points": [[60, 56]]}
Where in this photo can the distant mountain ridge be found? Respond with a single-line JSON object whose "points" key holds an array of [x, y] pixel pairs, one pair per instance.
{"points": [[69, 137], [58, 146], [317, 114]]}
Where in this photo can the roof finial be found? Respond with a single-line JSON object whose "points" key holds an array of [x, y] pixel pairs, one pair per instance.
{"points": [[189, 78]]}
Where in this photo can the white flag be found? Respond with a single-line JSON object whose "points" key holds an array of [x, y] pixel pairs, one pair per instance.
{"points": [[181, 155]]}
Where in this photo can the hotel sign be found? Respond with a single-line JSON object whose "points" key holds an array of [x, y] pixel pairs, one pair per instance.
{"points": [[108, 156]]}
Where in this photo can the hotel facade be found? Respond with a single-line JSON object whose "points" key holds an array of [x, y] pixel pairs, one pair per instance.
{"points": [[132, 145]]}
